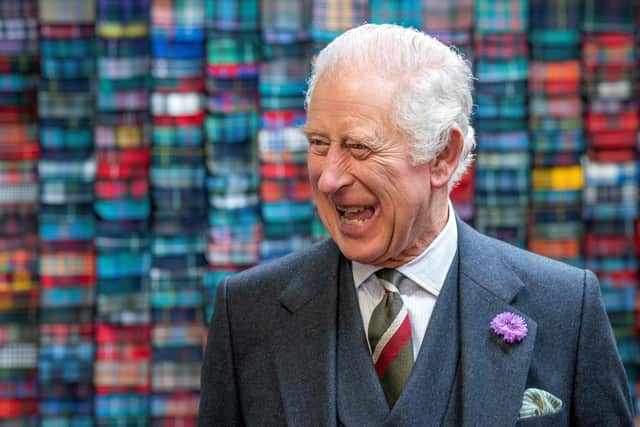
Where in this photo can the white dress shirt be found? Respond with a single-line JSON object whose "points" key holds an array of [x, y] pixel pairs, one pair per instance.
{"points": [[427, 272]]}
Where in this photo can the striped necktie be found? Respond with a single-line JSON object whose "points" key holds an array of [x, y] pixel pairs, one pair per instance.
{"points": [[390, 337]]}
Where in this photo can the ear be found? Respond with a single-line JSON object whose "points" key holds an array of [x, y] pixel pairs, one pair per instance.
{"points": [[445, 163]]}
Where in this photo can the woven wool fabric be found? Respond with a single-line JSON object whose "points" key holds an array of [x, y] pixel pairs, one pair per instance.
{"points": [[285, 21], [232, 15], [614, 16], [402, 12], [331, 17], [501, 16], [450, 16]]}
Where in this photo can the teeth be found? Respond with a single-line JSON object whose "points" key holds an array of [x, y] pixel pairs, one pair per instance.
{"points": [[353, 221], [351, 210]]}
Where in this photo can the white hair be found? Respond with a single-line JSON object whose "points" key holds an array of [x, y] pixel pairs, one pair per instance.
{"points": [[435, 82]]}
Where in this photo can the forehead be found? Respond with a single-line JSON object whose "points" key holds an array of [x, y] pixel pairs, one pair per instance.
{"points": [[351, 100]]}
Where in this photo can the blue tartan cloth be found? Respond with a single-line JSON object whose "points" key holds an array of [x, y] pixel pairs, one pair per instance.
{"points": [[501, 16], [401, 12], [232, 15], [285, 21], [609, 16]]}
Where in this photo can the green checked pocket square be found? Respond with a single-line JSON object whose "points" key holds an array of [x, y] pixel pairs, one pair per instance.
{"points": [[538, 402]]}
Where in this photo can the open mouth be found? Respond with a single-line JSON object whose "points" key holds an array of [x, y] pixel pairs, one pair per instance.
{"points": [[355, 215]]}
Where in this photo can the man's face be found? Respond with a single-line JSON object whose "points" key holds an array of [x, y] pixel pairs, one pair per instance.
{"points": [[373, 202]]}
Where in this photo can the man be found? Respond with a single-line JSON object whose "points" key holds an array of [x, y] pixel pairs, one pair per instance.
{"points": [[406, 316]]}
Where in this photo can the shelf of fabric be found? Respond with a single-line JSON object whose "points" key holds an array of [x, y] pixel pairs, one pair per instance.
{"points": [[178, 238], [67, 225], [19, 245]]}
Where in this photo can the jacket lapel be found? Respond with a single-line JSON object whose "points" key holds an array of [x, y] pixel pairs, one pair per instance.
{"points": [[304, 356], [494, 373]]}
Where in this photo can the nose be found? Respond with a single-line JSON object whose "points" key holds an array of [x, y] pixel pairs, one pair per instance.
{"points": [[335, 173]]}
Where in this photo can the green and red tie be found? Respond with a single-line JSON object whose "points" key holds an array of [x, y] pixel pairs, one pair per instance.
{"points": [[390, 337]]}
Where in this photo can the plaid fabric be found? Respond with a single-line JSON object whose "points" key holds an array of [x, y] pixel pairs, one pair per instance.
{"points": [[271, 248], [274, 191], [178, 335], [281, 140], [232, 15], [559, 249], [555, 107], [178, 176], [330, 18], [67, 264], [235, 127], [502, 180], [178, 13], [555, 14], [167, 376], [614, 16], [121, 374], [558, 178], [120, 405], [556, 159], [66, 11], [281, 77], [182, 136], [223, 49], [503, 160], [507, 46], [285, 21], [502, 142], [176, 104], [284, 211], [183, 298], [174, 406], [608, 49], [558, 141], [501, 16], [450, 16], [402, 12], [18, 356], [497, 71]]}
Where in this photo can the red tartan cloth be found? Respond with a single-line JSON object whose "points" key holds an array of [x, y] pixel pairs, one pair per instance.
{"points": [[612, 155], [284, 170], [274, 191], [613, 246], [136, 188], [13, 408], [123, 352], [106, 334], [140, 157], [186, 84], [613, 139], [190, 120], [57, 31], [463, 191]]}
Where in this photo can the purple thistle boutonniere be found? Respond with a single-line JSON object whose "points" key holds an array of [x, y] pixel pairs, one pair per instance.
{"points": [[511, 327]]}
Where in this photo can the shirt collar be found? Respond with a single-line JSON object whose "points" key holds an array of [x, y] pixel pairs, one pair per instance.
{"points": [[430, 268]]}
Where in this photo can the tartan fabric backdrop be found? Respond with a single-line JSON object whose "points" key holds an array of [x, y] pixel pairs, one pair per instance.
{"points": [[149, 148]]}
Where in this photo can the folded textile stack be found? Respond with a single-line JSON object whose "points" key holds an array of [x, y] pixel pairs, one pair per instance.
{"points": [[502, 173], [233, 57], [401, 12], [451, 22], [179, 216], [556, 130], [610, 207], [19, 152], [287, 210], [122, 208], [332, 17], [67, 226]]}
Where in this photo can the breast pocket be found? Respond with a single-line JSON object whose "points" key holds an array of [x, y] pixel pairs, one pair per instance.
{"points": [[551, 420]]}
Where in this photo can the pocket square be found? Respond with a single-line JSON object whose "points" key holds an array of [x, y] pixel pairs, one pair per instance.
{"points": [[538, 402]]}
